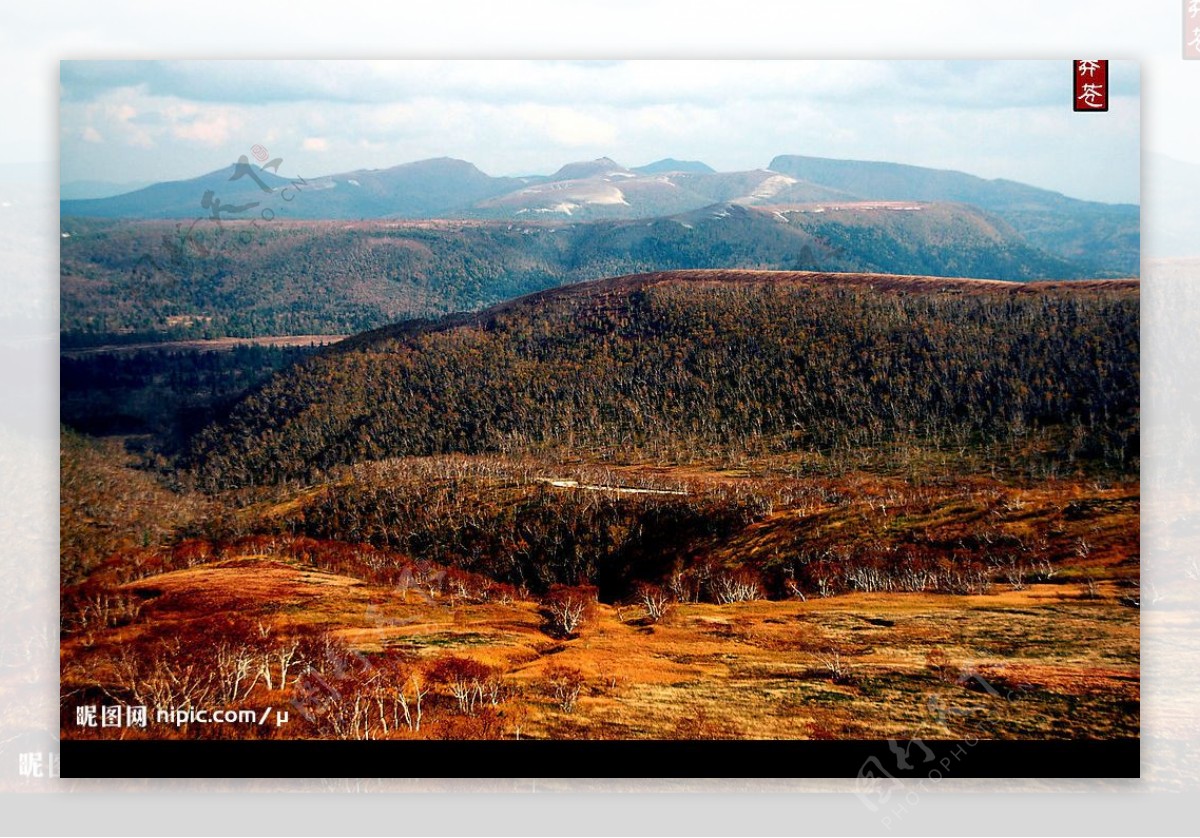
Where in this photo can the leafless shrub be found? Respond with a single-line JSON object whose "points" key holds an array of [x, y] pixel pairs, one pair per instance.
{"points": [[105, 608], [564, 684], [363, 701], [834, 662], [967, 579], [569, 607], [736, 586], [470, 682], [408, 694], [868, 578], [1014, 574], [656, 601], [337, 706], [1043, 570], [683, 586]]}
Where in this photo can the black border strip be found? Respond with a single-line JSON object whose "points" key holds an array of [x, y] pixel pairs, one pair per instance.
{"points": [[936, 759]]}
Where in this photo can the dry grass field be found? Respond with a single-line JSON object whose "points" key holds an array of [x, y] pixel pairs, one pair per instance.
{"points": [[1045, 649]]}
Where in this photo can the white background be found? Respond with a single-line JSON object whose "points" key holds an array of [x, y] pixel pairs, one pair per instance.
{"points": [[34, 37]]}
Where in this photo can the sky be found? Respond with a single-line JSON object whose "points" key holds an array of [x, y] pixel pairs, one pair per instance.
{"points": [[142, 121]]}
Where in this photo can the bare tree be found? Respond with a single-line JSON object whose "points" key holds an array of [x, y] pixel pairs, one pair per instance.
{"points": [[793, 588], [410, 695], [1014, 574], [399, 693], [655, 600], [569, 607], [234, 668], [469, 681]]}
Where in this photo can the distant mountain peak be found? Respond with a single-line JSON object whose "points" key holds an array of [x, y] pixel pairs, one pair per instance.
{"points": [[670, 164], [588, 168], [444, 163]]}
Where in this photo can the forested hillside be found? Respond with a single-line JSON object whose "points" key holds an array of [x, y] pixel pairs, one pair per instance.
{"points": [[1105, 237], [158, 280], [678, 365]]}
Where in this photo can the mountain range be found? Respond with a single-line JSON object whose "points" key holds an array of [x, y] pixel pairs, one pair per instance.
{"points": [[1103, 239]]}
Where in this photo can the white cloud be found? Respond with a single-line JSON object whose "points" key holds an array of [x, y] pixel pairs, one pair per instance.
{"points": [[570, 127], [315, 144], [118, 119], [212, 129], [91, 135], [639, 82]]}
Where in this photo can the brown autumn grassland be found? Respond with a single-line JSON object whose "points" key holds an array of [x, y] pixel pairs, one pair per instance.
{"points": [[983, 583]]}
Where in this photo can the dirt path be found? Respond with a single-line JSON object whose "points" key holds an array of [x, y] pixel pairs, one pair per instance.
{"points": [[621, 490]]}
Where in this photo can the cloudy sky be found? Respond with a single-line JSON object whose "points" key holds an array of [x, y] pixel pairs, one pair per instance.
{"points": [[127, 121]]}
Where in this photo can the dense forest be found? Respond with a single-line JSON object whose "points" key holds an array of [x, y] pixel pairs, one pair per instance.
{"points": [[160, 280], [684, 365]]}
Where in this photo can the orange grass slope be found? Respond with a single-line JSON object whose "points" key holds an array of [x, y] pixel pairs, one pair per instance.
{"points": [[1042, 662]]}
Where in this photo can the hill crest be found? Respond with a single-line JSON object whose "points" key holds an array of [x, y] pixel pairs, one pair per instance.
{"points": [[630, 283]]}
